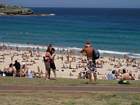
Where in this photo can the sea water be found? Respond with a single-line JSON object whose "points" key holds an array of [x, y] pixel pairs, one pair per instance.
{"points": [[110, 30]]}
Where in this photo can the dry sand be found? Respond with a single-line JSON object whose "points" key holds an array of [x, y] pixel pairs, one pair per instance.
{"points": [[69, 66]]}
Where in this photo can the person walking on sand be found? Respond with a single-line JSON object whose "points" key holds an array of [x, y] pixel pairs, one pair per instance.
{"points": [[91, 65]]}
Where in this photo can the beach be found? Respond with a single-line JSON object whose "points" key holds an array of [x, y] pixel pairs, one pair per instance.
{"points": [[68, 63], [114, 32]]}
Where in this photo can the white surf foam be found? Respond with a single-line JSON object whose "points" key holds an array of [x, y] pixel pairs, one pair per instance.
{"points": [[44, 47]]}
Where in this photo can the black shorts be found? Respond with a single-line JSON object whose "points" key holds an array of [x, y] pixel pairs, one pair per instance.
{"points": [[52, 65]]}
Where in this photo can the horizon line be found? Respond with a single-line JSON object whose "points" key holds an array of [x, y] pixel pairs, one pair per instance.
{"points": [[83, 7], [70, 6]]}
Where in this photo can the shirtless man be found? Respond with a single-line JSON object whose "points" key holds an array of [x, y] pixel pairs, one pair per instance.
{"points": [[88, 50]]}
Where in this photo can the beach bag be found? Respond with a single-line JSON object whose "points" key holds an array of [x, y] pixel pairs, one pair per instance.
{"points": [[96, 54], [123, 82]]}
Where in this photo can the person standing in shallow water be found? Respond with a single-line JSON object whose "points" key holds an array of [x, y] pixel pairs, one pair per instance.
{"points": [[91, 65]]}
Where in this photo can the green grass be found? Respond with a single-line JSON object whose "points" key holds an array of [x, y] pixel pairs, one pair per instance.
{"points": [[59, 81], [65, 98], [53, 98], [40, 81]]}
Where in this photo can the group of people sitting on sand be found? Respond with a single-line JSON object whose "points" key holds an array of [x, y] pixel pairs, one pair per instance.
{"points": [[120, 75], [16, 70], [90, 72]]}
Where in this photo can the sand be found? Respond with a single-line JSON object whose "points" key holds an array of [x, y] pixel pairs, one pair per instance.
{"points": [[68, 65]]}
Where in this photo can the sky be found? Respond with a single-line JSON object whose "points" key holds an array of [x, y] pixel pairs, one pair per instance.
{"points": [[77, 3]]}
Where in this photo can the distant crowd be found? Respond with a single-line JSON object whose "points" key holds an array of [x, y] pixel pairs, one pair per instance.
{"points": [[90, 66]]}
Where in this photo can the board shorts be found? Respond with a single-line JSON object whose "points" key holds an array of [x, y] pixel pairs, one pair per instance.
{"points": [[91, 66]]}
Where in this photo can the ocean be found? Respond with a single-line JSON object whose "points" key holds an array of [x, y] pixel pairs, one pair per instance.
{"points": [[110, 30]]}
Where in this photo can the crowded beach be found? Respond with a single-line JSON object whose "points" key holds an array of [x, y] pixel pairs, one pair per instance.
{"points": [[68, 64]]}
